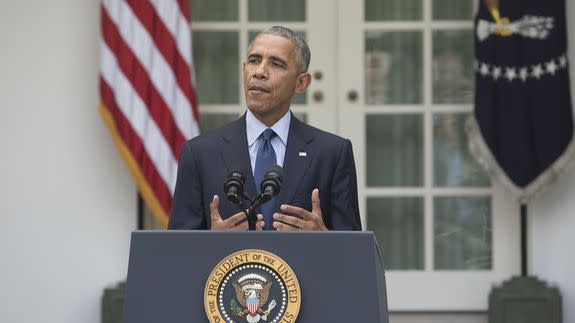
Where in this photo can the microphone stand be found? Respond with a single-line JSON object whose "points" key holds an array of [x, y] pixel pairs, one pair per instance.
{"points": [[251, 212], [252, 218]]}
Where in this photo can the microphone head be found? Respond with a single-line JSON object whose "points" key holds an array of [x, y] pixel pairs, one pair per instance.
{"points": [[234, 186], [272, 182]]}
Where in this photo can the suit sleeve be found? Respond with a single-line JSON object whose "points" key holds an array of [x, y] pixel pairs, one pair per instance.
{"points": [[187, 205], [344, 201]]}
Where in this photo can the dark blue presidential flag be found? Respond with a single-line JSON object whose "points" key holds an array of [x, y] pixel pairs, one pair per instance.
{"points": [[522, 127]]}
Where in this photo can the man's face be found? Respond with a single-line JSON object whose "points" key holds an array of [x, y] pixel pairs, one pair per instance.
{"points": [[271, 76]]}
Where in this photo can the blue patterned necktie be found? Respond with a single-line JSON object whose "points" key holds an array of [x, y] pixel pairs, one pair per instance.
{"points": [[265, 158]]}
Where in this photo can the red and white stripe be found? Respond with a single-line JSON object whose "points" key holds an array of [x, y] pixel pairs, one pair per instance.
{"points": [[147, 92], [253, 306]]}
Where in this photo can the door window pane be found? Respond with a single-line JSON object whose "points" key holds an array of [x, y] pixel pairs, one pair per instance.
{"points": [[453, 76], [452, 9], [217, 69], [462, 233], [393, 67], [377, 10], [398, 226], [297, 98], [453, 164], [213, 10], [276, 10], [394, 150]]}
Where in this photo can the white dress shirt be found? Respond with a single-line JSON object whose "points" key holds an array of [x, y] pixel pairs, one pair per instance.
{"points": [[254, 129]]}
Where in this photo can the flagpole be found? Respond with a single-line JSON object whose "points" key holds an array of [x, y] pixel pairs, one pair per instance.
{"points": [[140, 210], [523, 239]]}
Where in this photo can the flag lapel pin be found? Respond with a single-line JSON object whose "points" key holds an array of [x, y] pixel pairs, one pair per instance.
{"points": [[302, 154]]}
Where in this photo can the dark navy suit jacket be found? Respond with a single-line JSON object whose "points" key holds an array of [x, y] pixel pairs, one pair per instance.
{"points": [[313, 159]]}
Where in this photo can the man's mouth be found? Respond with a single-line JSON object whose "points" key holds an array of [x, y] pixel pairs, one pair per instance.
{"points": [[257, 89]]}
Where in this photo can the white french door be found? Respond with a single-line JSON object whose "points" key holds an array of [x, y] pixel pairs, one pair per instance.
{"points": [[405, 89]]}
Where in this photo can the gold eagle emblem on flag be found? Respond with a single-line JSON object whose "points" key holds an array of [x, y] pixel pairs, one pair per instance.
{"points": [[535, 27]]}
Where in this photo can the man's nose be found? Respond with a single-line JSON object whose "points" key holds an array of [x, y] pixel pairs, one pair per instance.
{"points": [[261, 71]]}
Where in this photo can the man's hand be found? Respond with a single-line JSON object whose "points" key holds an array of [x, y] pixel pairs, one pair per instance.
{"points": [[301, 219], [233, 222]]}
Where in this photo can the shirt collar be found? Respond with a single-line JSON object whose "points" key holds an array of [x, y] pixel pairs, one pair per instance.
{"points": [[254, 127]]}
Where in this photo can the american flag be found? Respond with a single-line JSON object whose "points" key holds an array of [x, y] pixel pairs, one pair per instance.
{"points": [[148, 99]]}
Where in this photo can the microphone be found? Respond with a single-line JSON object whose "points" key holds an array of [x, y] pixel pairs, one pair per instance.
{"points": [[234, 188], [270, 186]]}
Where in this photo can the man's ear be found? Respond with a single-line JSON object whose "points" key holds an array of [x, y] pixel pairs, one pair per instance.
{"points": [[303, 82]]}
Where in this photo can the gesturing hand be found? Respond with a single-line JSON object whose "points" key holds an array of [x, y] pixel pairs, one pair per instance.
{"points": [[233, 222], [301, 219]]}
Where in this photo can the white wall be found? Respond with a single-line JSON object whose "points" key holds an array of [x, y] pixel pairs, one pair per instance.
{"points": [[67, 203], [552, 216]]}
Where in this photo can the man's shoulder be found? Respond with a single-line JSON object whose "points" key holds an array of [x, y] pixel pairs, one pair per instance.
{"points": [[230, 129], [320, 135]]}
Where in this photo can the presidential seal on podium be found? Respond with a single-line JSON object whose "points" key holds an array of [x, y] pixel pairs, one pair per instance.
{"points": [[252, 286]]}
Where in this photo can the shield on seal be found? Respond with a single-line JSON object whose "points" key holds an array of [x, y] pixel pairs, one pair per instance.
{"points": [[253, 302]]}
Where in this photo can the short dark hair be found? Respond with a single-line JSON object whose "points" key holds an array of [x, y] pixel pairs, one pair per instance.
{"points": [[303, 54]]}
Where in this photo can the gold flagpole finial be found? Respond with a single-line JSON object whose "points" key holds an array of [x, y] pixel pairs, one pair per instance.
{"points": [[493, 6]]}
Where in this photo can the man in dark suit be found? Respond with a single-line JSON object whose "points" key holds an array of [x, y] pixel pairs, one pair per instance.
{"points": [[319, 190]]}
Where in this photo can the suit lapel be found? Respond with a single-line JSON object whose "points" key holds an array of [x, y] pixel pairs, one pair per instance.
{"points": [[298, 157], [236, 155]]}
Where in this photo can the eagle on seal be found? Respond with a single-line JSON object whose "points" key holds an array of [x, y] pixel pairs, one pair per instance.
{"points": [[252, 293]]}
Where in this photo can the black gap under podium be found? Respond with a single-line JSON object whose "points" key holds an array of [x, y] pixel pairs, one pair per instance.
{"points": [[341, 274]]}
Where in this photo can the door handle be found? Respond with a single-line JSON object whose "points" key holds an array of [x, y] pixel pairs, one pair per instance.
{"points": [[352, 95]]}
